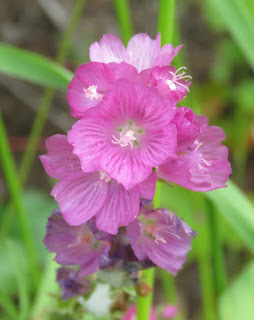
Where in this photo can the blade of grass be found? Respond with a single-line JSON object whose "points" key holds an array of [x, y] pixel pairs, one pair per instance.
{"points": [[48, 286], [220, 279], [237, 210], [240, 23], [124, 19], [32, 67], [41, 115], [10, 175], [21, 281], [166, 20], [8, 305]]}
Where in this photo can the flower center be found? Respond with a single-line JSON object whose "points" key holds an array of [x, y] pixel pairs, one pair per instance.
{"points": [[176, 78], [104, 176], [91, 93], [128, 135]]}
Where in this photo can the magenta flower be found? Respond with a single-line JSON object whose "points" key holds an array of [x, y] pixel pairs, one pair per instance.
{"points": [[83, 195], [202, 162], [128, 134], [74, 245], [71, 285], [142, 52], [169, 311], [170, 81], [92, 81], [162, 237], [132, 312]]}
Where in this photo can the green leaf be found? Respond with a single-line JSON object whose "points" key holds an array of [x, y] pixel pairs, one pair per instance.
{"points": [[32, 67], [239, 21], [237, 301], [237, 210], [21, 279], [8, 305]]}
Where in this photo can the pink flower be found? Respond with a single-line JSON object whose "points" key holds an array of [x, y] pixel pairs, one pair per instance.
{"points": [[128, 134], [132, 312], [142, 52], [74, 245], [83, 195], [92, 81], [202, 161], [162, 237], [169, 312], [170, 81]]}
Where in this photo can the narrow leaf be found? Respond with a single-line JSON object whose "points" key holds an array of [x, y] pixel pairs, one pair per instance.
{"points": [[32, 67]]}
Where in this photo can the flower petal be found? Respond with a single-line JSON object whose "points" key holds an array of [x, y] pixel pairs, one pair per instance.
{"points": [[166, 55], [109, 49], [81, 199], [143, 50], [60, 162], [146, 188], [120, 208]]}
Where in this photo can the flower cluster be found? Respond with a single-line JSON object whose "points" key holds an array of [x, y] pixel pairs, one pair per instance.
{"points": [[130, 132]]}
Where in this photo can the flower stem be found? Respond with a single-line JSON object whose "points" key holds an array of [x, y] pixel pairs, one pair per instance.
{"points": [[124, 19], [41, 115], [144, 304], [9, 171], [216, 248], [166, 20]]}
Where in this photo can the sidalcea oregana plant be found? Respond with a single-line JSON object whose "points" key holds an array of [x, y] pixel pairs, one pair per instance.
{"points": [[130, 133]]}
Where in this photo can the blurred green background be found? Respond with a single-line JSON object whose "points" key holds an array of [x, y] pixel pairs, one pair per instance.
{"points": [[217, 281]]}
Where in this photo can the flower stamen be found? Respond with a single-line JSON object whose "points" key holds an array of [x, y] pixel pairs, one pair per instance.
{"points": [[91, 93], [176, 78], [126, 138]]}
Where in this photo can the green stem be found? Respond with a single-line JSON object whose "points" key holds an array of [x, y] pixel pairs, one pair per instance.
{"points": [[42, 113], [144, 304], [166, 20], [216, 248], [124, 19], [9, 172], [205, 272]]}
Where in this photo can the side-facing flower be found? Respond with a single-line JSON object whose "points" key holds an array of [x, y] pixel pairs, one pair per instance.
{"points": [[202, 161], [162, 237], [71, 285], [170, 82], [142, 52], [128, 134], [83, 195], [74, 245], [91, 82]]}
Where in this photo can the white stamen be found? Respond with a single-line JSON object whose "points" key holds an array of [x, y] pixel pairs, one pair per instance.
{"points": [[176, 78], [126, 138], [104, 176], [91, 93]]}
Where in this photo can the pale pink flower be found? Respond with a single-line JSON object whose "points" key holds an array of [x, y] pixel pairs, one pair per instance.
{"points": [[128, 134], [142, 52], [83, 195]]}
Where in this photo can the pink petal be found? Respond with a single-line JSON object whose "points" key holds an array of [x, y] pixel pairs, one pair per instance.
{"points": [[81, 199], [124, 167], [143, 50], [60, 162], [166, 55], [169, 312], [120, 208], [110, 49], [146, 188], [88, 138]]}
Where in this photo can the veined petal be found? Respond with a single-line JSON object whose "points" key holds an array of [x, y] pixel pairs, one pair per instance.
{"points": [[81, 199], [109, 49], [60, 162], [143, 50], [146, 188], [120, 208]]}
